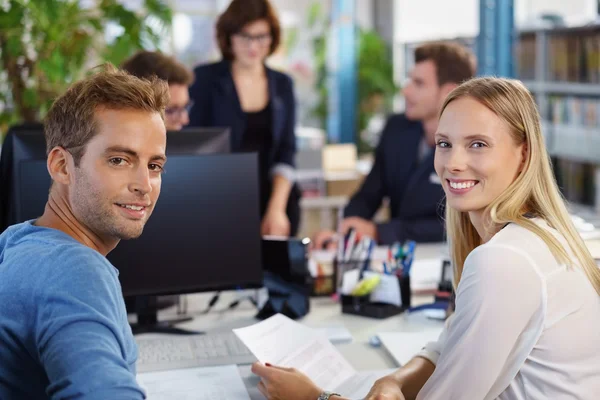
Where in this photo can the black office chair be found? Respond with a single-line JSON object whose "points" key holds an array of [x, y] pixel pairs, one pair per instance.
{"points": [[7, 216]]}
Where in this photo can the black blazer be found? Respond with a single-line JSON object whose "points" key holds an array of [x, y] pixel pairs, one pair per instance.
{"points": [[216, 103], [415, 193]]}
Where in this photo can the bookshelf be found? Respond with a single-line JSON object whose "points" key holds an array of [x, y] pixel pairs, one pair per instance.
{"points": [[561, 68]]}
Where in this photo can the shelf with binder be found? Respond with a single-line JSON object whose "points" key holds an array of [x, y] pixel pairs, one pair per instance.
{"points": [[561, 68], [575, 143], [565, 88]]}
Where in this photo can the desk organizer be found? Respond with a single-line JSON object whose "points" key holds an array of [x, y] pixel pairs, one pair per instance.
{"points": [[361, 305]]}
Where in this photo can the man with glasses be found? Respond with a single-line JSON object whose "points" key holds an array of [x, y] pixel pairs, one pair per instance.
{"points": [[146, 64]]}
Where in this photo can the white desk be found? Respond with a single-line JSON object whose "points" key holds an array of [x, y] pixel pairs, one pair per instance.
{"points": [[324, 312]]}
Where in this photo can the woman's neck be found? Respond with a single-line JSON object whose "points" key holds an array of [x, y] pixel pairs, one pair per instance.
{"points": [[247, 71], [483, 225]]}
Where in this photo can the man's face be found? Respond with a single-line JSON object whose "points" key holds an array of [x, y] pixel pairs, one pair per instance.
{"points": [[176, 115], [424, 97], [117, 183]]}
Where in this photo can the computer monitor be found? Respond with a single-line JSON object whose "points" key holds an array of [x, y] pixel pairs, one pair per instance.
{"points": [[199, 141], [204, 233]]}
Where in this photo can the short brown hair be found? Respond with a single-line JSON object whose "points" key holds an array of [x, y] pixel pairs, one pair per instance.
{"points": [[240, 13], [70, 122], [453, 62], [145, 64]]}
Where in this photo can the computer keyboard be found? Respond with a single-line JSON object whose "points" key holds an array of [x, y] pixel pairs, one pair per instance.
{"points": [[223, 348]]}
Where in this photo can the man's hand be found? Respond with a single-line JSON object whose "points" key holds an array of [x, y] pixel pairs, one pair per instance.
{"points": [[362, 226], [279, 383], [324, 238], [385, 388]]}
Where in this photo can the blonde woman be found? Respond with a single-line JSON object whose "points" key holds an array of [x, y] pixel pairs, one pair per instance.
{"points": [[527, 320]]}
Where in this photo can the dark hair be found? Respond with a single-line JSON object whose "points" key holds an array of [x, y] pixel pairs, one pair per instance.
{"points": [[70, 122], [453, 62], [145, 64], [240, 13]]}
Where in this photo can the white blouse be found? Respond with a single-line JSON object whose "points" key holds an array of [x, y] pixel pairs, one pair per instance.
{"points": [[525, 327]]}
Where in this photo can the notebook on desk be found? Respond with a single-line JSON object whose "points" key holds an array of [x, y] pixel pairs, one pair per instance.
{"points": [[403, 346]]}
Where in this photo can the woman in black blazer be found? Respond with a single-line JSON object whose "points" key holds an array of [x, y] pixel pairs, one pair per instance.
{"points": [[256, 103]]}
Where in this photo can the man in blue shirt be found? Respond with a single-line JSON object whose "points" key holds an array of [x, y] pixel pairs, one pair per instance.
{"points": [[63, 325]]}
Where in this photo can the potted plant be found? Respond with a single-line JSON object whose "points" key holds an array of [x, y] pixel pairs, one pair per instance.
{"points": [[45, 45], [374, 79]]}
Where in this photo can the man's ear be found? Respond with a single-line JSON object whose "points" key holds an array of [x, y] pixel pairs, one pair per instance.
{"points": [[446, 88], [59, 165]]}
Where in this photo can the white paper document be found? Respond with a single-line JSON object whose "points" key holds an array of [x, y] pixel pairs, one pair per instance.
{"points": [[349, 281], [426, 274], [207, 383], [403, 346], [359, 385], [281, 341], [387, 291]]}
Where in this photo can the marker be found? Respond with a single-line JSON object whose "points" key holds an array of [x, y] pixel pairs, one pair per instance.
{"points": [[409, 257]]}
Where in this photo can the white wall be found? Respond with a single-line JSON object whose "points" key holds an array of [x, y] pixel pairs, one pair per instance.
{"points": [[364, 9], [419, 20], [574, 11]]}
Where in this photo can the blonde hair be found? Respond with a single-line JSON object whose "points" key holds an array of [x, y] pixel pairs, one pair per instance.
{"points": [[534, 191]]}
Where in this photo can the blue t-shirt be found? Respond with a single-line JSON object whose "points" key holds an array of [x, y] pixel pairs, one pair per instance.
{"points": [[63, 324]]}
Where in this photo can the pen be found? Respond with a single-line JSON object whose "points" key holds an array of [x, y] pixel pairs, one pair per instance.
{"points": [[407, 263], [340, 249], [358, 250], [368, 258], [350, 244]]}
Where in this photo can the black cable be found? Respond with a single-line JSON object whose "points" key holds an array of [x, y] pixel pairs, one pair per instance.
{"points": [[212, 302], [237, 302]]}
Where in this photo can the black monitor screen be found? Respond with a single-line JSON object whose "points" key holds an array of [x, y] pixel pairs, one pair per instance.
{"points": [[204, 233], [199, 141]]}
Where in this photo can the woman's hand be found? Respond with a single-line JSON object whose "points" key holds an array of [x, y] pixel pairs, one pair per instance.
{"points": [[275, 223], [385, 388], [279, 383]]}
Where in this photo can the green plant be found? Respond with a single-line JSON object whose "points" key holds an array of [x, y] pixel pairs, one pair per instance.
{"points": [[45, 45], [374, 78]]}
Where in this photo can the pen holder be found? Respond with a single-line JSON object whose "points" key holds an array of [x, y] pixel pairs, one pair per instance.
{"points": [[363, 306], [341, 267]]}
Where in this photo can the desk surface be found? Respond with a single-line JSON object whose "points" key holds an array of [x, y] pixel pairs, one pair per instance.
{"points": [[324, 312]]}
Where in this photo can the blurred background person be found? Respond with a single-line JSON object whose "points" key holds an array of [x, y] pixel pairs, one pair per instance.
{"points": [[403, 168], [145, 64], [256, 103]]}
